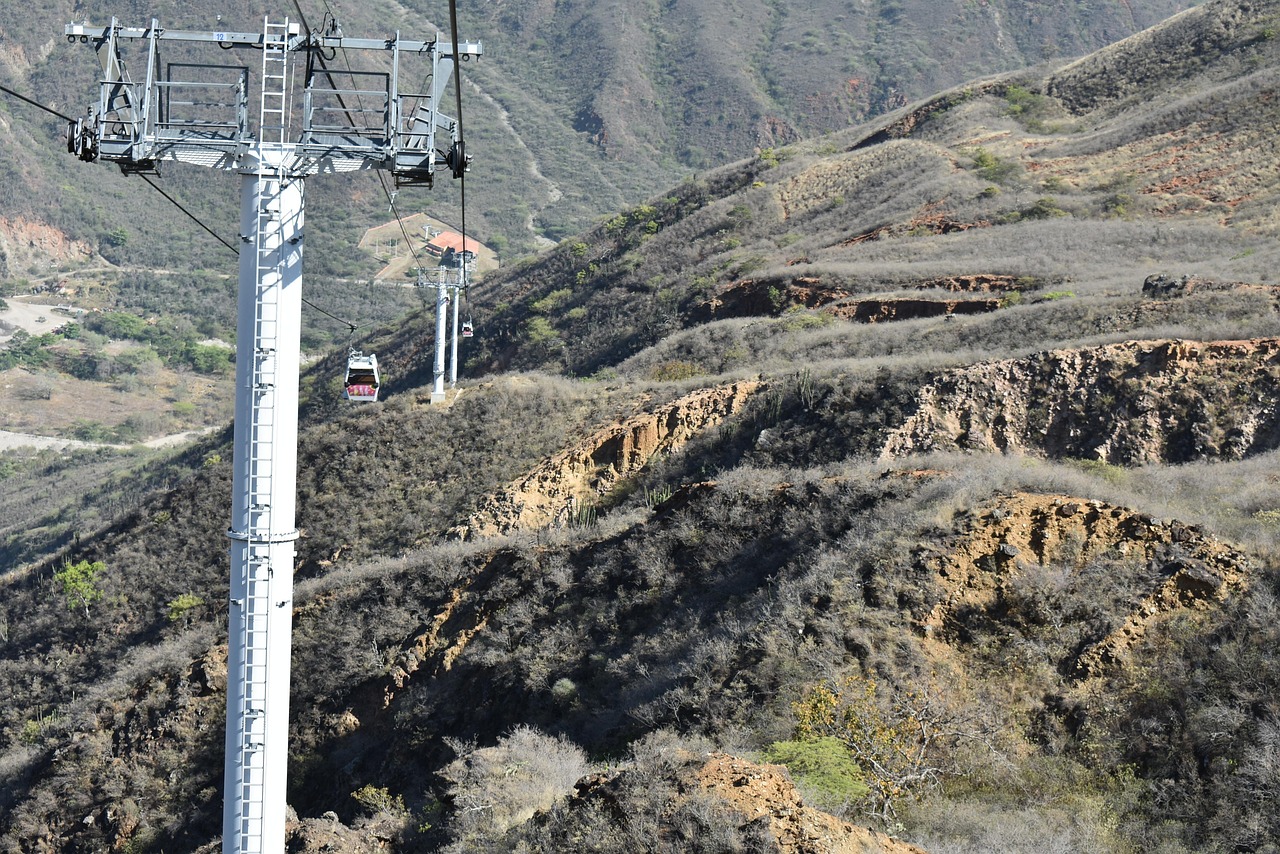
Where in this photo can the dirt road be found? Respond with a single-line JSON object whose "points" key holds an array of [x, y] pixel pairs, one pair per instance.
{"points": [[16, 441]]}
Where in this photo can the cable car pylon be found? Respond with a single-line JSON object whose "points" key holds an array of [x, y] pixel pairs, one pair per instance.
{"points": [[199, 114], [453, 276]]}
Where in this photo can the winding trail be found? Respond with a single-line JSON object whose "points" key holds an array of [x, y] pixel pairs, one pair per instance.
{"points": [[10, 441], [553, 193]]}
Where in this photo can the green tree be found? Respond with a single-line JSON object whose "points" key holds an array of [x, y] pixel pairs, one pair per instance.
{"points": [[119, 324], [825, 766], [540, 331], [79, 583], [206, 359], [181, 606], [991, 167]]}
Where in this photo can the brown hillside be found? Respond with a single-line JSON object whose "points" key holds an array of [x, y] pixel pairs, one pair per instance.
{"points": [[699, 562]]}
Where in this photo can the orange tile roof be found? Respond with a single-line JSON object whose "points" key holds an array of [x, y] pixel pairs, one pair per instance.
{"points": [[448, 240]]}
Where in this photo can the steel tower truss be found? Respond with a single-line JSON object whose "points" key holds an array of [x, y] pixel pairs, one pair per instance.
{"points": [[199, 113]]}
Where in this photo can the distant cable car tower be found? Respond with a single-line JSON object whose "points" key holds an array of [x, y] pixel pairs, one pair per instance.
{"points": [[453, 275], [199, 114]]}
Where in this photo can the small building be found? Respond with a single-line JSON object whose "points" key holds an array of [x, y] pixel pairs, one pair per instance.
{"points": [[438, 244]]}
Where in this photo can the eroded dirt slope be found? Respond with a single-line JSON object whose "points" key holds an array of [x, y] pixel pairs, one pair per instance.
{"points": [[1128, 403], [1022, 552], [766, 793], [577, 477], [762, 796], [28, 246]]}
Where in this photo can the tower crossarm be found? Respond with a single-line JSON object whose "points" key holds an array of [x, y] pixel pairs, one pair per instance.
{"points": [[198, 112]]}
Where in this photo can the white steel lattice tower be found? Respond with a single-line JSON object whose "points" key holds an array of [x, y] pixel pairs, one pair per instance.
{"points": [[135, 126]]}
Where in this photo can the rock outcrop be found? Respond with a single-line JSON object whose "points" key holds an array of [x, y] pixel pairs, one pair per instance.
{"points": [[928, 222], [26, 245], [886, 310], [1129, 403], [766, 297], [761, 797], [575, 479], [1165, 286], [972, 283], [759, 298], [765, 793]]}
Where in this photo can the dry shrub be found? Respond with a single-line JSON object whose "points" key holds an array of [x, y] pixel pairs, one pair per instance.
{"points": [[495, 788]]}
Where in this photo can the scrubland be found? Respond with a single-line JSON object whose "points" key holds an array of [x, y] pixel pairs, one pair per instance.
{"points": [[1034, 647]]}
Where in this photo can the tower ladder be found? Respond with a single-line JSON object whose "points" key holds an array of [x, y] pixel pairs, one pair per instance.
{"points": [[273, 123], [260, 533]]}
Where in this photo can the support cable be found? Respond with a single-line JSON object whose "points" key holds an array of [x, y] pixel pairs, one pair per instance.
{"points": [[193, 217], [51, 110], [386, 191], [153, 185], [302, 17], [347, 323], [382, 179], [461, 167], [391, 199], [329, 10], [236, 251]]}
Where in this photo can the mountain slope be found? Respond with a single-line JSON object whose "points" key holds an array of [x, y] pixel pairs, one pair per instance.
{"points": [[963, 184], [593, 102], [1073, 649]]}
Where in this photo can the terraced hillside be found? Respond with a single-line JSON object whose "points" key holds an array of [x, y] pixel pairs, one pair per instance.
{"points": [[930, 460]]}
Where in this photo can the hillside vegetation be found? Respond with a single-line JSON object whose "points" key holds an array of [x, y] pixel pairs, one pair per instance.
{"points": [[930, 459]]}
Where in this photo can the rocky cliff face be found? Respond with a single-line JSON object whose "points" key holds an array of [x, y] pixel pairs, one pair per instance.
{"points": [[1129, 403], [27, 246], [754, 298], [553, 492]]}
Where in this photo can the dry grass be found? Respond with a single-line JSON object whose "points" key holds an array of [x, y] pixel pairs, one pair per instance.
{"points": [[55, 404]]}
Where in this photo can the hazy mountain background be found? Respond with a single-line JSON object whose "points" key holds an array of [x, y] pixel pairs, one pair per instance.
{"points": [[578, 109], [929, 456]]}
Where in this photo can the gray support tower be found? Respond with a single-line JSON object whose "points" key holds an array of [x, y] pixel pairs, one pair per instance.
{"points": [[199, 114]]}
